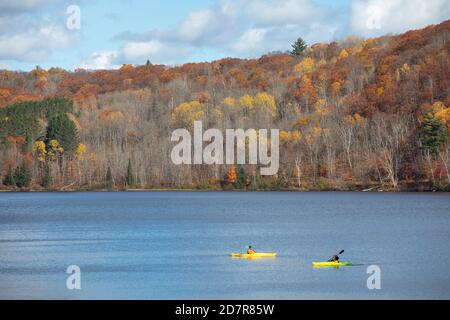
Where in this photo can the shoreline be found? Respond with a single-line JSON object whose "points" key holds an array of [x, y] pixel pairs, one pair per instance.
{"points": [[218, 190]]}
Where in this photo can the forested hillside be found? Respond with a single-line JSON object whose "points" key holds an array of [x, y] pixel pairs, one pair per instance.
{"points": [[355, 114]]}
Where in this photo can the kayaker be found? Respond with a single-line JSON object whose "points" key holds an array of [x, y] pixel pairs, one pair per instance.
{"points": [[250, 250], [334, 258]]}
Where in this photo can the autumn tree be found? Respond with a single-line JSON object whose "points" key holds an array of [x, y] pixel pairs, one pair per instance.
{"points": [[232, 174], [264, 107], [186, 113], [389, 135], [304, 66]]}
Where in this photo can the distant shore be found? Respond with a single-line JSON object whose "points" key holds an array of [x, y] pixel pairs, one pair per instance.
{"points": [[402, 187]]}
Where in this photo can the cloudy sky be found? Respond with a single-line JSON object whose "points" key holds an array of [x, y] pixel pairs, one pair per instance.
{"points": [[98, 34]]}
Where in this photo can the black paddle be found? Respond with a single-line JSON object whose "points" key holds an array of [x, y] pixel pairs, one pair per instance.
{"points": [[341, 252]]}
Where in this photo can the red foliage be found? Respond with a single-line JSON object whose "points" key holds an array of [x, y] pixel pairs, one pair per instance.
{"points": [[371, 78]]}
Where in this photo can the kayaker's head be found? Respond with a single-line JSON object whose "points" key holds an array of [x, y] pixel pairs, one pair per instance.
{"points": [[249, 247]]}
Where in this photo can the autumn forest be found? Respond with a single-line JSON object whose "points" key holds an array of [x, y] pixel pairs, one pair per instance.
{"points": [[357, 114]]}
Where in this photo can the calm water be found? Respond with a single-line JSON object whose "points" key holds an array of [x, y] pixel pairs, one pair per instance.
{"points": [[175, 245]]}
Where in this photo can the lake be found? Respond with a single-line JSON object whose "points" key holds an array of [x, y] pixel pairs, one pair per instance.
{"points": [[176, 245]]}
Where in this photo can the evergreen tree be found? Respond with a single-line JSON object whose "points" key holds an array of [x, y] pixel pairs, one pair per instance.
{"points": [[9, 178], [298, 47], [22, 176], [23, 118], [62, 129], [129, 178], [241, 181], [433, 134], [47, 178], [27, 146], [109, 180]]}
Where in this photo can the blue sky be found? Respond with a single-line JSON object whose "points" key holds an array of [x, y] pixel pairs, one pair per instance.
{"points": [[114, 32]]}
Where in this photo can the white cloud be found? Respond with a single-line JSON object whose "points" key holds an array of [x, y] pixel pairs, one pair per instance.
{"points": [[247, 27], [29, 35], [141, 50], [34, 44], [251, 40], [195, 25], [137, 53], [379, 17], [100, 61], [156, 51], [281, 11]]}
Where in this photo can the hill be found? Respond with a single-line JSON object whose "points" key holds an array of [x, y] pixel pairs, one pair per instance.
{"points": [[354, 114]]}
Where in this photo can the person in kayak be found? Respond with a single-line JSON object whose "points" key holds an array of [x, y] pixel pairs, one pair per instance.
{"points": [[250, 250], [334, 258]]}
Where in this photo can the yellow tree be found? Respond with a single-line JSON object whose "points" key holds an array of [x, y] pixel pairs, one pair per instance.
{"points": [[442, 113], [246, 102], [305, 66], [230, 103], [265, 103], [343, 54], [321, 107], [54, 149], [186, 113], [81, 150], [40, 151], [79, 153]]}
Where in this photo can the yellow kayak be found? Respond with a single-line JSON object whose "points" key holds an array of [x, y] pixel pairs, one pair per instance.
{"points": [[331, 264], [254, 255]]}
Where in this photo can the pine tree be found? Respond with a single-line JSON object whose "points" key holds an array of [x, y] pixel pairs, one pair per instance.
{"points": [[9, 178], [22, 176], [109, 180], [129, 178], [433, 134], [26, 147], [62, 129], [241, 181], [298, 47]]}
